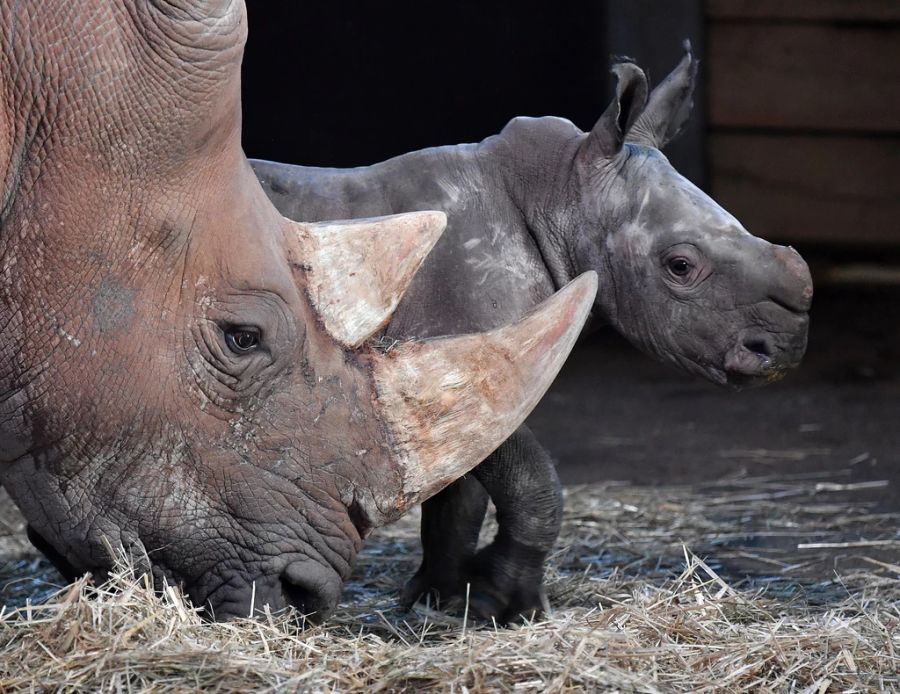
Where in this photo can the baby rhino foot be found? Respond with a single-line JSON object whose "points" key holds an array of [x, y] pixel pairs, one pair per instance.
{"points": [[506, 583], [439, 586], [502, 583]]}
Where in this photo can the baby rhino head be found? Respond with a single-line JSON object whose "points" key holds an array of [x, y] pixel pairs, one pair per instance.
{"points": [[680, 277]]}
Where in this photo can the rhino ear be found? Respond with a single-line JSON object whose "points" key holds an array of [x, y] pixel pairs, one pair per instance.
{"points": [[608, 135], [669, 106], [357, 271]]}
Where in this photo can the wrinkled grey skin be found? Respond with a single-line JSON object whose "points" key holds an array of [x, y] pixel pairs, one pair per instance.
{"points": [[137, 251], [132, 234], [529, 209]]}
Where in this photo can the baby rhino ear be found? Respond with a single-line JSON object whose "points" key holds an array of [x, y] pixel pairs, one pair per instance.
{"points": [[669, 107], [608, 135]]}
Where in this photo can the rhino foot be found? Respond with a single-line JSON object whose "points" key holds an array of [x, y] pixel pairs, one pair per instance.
{"points": [[451, 521], [506, 582], [440, 588], [502, 583]]}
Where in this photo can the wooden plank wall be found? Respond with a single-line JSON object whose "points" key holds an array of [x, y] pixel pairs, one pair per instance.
{"points": [[804, 118]]}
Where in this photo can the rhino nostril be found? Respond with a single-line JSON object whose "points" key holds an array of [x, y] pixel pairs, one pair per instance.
{"points": [[298, 597], [311, 588], [757, 346]]}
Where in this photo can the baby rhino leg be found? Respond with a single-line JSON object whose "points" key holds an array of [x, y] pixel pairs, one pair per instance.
{"points": [[451, 521], [507, 576], [503, 580]]}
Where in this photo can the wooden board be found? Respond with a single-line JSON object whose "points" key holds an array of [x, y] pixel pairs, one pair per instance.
{"points": [[845, 10], [804, 76], [842, 190]]}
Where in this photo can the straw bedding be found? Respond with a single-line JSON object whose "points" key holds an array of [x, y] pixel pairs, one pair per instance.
{"points": [[746, 584]]}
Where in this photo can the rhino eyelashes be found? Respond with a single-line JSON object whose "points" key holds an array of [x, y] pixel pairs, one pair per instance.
{"points": [[685, 266]]}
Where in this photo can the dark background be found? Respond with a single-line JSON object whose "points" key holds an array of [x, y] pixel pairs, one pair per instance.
{"points": [[796, 130], [350, 84]]}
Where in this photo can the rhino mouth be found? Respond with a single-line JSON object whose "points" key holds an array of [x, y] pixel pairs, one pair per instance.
{"points": [[740, 381], [756, 360]]}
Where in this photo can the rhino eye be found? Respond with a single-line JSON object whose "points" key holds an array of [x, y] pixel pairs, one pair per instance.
{"points": [[241, 340], [678, 266]]}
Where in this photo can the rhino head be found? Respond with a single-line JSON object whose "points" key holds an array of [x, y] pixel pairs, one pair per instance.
{"points": [[182, 370], [679, 276]]}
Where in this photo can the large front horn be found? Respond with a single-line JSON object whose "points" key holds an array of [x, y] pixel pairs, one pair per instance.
{"points": [[357, 271], [449, 402]]}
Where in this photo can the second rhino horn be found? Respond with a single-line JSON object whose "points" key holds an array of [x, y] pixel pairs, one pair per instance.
{"points": [[358, 270]]}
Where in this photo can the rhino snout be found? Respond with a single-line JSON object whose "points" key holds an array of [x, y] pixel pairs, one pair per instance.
{"points": [[313, 589], [792, 287], [750, 356], [758, 356]]}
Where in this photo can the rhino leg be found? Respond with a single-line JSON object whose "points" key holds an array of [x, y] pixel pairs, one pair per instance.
{"points": [[505, 577], [451, 521]]}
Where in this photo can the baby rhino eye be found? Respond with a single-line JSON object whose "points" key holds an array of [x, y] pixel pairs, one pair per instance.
{"points": [[241, 340], [679, 266]]}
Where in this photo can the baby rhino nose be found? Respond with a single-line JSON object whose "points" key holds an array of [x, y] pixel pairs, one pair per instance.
{"points": [[792, 286]]}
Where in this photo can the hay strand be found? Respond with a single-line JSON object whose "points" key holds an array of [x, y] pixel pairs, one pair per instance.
{"points": [[743, 585]]}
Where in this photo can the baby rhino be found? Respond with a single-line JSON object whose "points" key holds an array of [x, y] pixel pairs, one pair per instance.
{"points": [[529, 209]]}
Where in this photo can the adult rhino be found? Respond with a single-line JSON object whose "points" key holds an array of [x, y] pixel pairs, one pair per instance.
{"points": [[528, 210], [184, 371]]}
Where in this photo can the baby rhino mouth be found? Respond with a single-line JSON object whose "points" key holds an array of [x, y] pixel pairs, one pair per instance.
{"points": [[756, 359]]}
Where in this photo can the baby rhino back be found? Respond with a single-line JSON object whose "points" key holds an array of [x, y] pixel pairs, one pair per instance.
{"points": [[484, 271]]}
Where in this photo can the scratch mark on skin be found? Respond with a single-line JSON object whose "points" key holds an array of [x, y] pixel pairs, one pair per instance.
{"points": [[644, 200], [492, 267], [451, 189]]}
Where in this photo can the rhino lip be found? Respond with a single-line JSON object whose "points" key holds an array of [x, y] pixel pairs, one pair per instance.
{"points": [[750, 362]]}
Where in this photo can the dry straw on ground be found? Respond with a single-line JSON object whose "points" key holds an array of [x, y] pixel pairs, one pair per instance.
{"points": [[634, 610]]}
